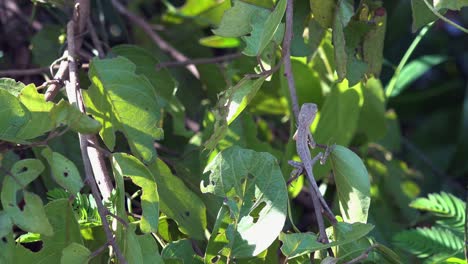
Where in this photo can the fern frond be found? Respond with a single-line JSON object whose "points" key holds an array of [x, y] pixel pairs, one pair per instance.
{"points": [[428, 242], [448, 208]]}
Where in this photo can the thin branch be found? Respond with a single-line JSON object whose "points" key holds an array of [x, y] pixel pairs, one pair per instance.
{"points": [[95, 39], [363, 256], [74, 97], [288, 35], [23, 72], [213, 60], [163, 45]]}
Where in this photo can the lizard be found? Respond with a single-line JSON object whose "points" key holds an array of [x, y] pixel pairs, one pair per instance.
{"points": [[304, 139]]}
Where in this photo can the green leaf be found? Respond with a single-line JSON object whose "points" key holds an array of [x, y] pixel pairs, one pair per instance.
{"points": [[149, 249], [219, 42], [65, 114], [181, 249], [231, 104], [301, 13], [163, 82], [352, 183], [427, 242], [129, 166], [24, 172], [323, 11], [297, 244], [270, 28], [124, 101], [6, 224], [449, 209], [372, 117], [255, 193], [450, 4], [373, 45], [236, 20], [343, 14], [422, 15], [178, 202], [45, 44], [13, 116], [415, 69], [64, 171], [32, 217], [131, 248], [75, 254], [11, 85], [40, 121]]}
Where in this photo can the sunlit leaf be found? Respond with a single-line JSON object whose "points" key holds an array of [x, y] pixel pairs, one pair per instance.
{"points": [[124, 101], [65, 114], [256, 197], [219, 42], [352, 183]]}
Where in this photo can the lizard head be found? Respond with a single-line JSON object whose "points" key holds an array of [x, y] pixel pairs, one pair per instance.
{"points": [[307, 113]]}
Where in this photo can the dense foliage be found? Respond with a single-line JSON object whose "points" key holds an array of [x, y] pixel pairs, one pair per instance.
{"points": [[164, 131]]}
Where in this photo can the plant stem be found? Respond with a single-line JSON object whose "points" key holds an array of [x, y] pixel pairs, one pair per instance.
{"points": [[404, 60]]}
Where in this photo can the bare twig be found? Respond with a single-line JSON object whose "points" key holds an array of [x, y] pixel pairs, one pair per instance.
{"points": [[95, 39], [163, 45], [23, 72], [219, 59], [74, 97], [288, 35]]}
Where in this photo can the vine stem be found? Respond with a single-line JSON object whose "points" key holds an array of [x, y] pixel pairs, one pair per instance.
{"points": [[74, 96], [446, 20], [405, 58]]}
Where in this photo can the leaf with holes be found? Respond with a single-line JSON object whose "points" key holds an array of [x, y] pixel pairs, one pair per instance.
{"points": [[124, 101], [255, 194], [352, 183], [126, 165], [64, 171]]}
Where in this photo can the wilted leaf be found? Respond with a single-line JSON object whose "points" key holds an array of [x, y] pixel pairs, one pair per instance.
{"points": [[352, 183], [124, 101], [256, 196]]}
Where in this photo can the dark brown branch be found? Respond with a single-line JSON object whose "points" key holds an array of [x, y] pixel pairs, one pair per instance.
{"points": [[74, 97], [23, 72], [163, 45], [363, 256], [213, 60], [95, 39]]}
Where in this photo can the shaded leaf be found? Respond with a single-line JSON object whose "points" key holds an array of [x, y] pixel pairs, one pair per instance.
{"points": [[149, 249], [236, 20], [353, 184], [372, 121], [75, 254], [13, 116], [65, 114], [178, 202], [63, 171], [422, 15], [323, 11], [343, 14], [129, 166], [182, 250], [45, 44], [373, 45], [255, 194], [450, 4], [124, 101]]}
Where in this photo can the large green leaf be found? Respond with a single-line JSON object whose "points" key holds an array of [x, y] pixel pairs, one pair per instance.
{"points": [[45, 44], [63, 171], [65, 114], [178, 202], [129, 166], [256, 196], [124, 101], [372, 117], [323, 11], [75, 254], [297, 244], [149, 249], [236, 20], [352, 183], [373, 45]]}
